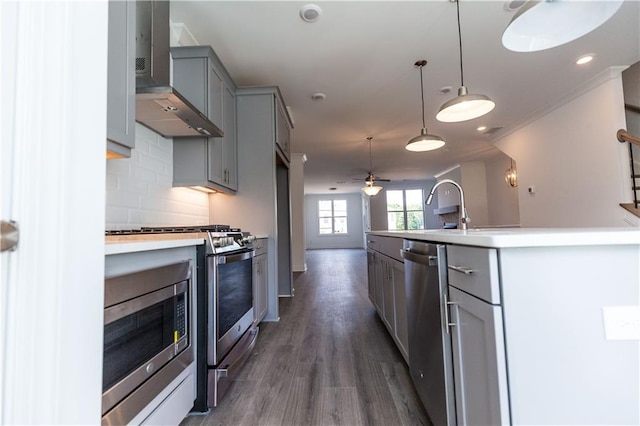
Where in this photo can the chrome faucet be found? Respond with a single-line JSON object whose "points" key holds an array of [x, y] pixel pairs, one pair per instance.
{"points": [[464, 218]]}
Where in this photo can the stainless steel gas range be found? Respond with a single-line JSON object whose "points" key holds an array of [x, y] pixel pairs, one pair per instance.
{"points": [[225, 330]]}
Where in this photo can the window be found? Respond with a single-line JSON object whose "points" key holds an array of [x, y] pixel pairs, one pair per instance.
{"points": [[404, 209], [332, 215]]}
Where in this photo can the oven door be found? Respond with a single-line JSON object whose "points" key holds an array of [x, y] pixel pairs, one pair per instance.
{"points": [[230, 301], [141, 336]]}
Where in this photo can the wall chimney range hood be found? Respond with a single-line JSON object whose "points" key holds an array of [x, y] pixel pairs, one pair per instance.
{"points": [[158, 105]]}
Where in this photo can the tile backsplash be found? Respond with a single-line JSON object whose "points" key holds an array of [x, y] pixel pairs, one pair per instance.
{"points": [[139, 191]]}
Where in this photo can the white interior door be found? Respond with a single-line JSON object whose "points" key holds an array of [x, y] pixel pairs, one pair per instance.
{"points": [[52, 150]]}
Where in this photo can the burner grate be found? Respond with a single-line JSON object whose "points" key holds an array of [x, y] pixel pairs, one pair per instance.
{"points": [[172, 230]]}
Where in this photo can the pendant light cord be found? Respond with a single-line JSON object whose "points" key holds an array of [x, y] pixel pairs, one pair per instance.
{"points": [[422, 94], [460, 43], [370, 164]]}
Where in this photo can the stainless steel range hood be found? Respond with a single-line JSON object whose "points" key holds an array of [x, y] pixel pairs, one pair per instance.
{"points": [[158, 105]]}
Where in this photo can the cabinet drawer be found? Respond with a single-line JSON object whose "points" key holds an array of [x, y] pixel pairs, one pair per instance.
{"points": [[474, 270], [389, 246], [373, 241]]}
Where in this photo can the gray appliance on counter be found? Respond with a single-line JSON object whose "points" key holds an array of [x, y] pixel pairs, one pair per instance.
{"points": [[430, 356]]}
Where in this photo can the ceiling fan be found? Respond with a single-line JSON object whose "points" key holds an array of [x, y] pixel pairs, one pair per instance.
{"points": [[370, 187], [371, 178]]}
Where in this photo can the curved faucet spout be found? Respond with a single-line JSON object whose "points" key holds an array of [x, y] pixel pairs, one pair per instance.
{"points": [[464, 217]]}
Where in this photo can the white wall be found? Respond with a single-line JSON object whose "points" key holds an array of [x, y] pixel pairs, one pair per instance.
{"points": [[140, 192], [354, 236], [298, 233], [571, 157], [378, 204]]}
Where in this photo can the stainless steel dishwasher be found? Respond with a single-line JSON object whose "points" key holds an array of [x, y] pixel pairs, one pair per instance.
{"points": [[430, 359]]}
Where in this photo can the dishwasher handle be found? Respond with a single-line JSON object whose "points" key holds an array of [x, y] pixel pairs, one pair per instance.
{"points": [[423, 259]]}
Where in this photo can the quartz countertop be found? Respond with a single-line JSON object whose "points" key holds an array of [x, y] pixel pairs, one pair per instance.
{"points": [[522, 237], [118, 244]]}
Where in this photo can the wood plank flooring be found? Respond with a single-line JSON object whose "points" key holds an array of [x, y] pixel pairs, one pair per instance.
{"points": [[328, 361]]}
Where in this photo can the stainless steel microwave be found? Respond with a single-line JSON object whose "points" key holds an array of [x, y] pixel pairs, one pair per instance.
{"points": [[146, 337]]}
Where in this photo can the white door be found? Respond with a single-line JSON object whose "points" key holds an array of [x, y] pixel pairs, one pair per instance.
{"points": [[52, 150]]}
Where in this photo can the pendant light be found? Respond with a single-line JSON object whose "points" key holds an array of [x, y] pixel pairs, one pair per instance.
{"points": [[425, 141], [511, 176], [371, 188], [465, 106], [540, 25]]}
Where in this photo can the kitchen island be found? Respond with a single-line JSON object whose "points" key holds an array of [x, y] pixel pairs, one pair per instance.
{"points": [[543, 323]]}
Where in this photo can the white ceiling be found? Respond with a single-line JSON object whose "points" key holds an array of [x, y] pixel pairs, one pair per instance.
{"points": [[361, 54]]}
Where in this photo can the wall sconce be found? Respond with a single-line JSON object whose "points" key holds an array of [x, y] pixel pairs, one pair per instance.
{"points": [[511, 176]]}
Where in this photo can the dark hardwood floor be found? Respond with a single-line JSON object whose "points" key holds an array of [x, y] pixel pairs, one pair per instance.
{"points": [[329, 361]]}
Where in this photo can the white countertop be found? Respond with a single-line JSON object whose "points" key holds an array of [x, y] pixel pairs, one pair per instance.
{"points": [[523, 237], [119, 244]]}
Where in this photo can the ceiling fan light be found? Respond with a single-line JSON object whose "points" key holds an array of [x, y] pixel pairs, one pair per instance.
{"points": [[464, 107], [424, 142], [540, 25], [371, 190]]}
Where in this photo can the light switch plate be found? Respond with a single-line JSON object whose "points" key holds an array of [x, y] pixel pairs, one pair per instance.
{"points": [[621, 322]]}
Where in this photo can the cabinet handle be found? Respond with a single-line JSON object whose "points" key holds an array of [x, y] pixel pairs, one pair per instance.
{"points": [[463, 269], [446, 313]]}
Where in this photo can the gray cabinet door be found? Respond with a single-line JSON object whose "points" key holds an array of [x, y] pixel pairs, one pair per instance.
{"points": [[283, 130], [260, 301], [230, 171], [401, 331], [388, 301], [121, 84], [380, 278], [216, 94], [371, 275], [479, 363]]}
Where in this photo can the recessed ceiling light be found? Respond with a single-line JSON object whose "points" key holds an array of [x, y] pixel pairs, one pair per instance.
{"points": [[512, 5], [585, 59], [481, 128], [444, 90], [318, 96], [310, 13]]}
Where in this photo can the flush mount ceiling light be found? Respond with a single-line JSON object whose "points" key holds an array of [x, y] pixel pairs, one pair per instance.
{"points": [[370, 187], [540, 25], [310, 13], [465, 106], [425, 141]]}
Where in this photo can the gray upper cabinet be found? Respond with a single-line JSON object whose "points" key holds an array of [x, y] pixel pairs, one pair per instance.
{"points": [[283, 129], [121, 82], [199, 76]]}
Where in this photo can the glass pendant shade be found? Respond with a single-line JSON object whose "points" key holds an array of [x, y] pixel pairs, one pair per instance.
{"points": [[464, 107], [371, 190], [511, 176], [540, 25], [424, 142]]}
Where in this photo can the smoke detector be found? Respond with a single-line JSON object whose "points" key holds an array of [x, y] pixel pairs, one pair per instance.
{"points": [[319, 96], [310, 13]]}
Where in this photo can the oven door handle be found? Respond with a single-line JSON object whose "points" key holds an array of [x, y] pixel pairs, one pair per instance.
{"points": [[237, 257]]}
